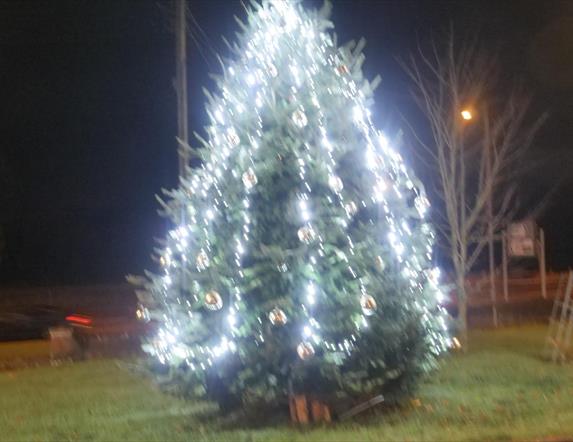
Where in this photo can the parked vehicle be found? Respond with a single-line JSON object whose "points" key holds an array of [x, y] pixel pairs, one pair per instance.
{"points": [[31, 322], [34, 322]]}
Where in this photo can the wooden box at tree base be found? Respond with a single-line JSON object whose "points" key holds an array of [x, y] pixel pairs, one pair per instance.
{"points": [[319, 411], [299, 410]]}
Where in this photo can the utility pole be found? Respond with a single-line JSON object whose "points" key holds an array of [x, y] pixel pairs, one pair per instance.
{"points": [[181, 85], [492, 288], [181, 90]]}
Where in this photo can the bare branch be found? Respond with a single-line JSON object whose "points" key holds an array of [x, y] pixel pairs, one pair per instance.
{"points": [[476, 162]]}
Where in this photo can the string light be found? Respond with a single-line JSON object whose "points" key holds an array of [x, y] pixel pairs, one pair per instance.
{"points": [[277, 30]]}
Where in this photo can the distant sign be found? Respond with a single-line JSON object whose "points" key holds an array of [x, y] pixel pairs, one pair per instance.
{"points": [[521, 238]]}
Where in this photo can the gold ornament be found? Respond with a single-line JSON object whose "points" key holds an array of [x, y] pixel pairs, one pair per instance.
{"points": [[306, 234], [305, 350], [335, 183], [142, 313], [351, 208], [380, 264], [299, 118], [368, 304], [277, 317], [202, 261], [165, 261], [249, 178], [342, 69], [213, 300]]}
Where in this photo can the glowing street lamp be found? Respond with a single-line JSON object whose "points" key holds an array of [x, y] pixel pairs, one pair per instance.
{"points": [[466, 114]]}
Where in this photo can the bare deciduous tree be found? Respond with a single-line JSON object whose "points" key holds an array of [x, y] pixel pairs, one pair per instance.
{"points": [[477, 154]]}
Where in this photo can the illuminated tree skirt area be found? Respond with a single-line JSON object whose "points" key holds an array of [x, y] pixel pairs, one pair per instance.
{"points": [[500, 390]]}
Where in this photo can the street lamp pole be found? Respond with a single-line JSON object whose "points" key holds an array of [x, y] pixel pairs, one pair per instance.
{"points": [[467, 115]]}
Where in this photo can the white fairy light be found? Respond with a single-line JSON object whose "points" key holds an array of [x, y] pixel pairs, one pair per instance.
{"points": [[371, 159], [305, 214], [311, 293], [250, 79], [258, 69], [380, 189], [383, 141], [436, 273], [288, 13], [219, 116], [221, 348], [422, 205], [358, 114], [180, 351]]}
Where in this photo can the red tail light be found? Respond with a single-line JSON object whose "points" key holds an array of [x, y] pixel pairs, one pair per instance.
{"points": [[79, 319]]}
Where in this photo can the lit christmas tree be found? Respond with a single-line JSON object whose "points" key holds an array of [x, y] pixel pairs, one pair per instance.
{"points": [[303, 261]]}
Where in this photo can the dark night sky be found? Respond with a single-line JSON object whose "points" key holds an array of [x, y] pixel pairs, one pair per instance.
{"points": [[88, 115]]}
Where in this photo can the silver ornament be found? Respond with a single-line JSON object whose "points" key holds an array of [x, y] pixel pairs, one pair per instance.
{"points": [[202, 261], [283, 267], [306, 234], [380, 264], [277, 317], [368, 304], [335, 183], [299, 118], [213, 300], [351, 208], [233, 138], [305, 350], [249, 179], [273, 70]]}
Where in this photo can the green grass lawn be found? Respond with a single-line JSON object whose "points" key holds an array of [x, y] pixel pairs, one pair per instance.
{"points": [[500, 390]]}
